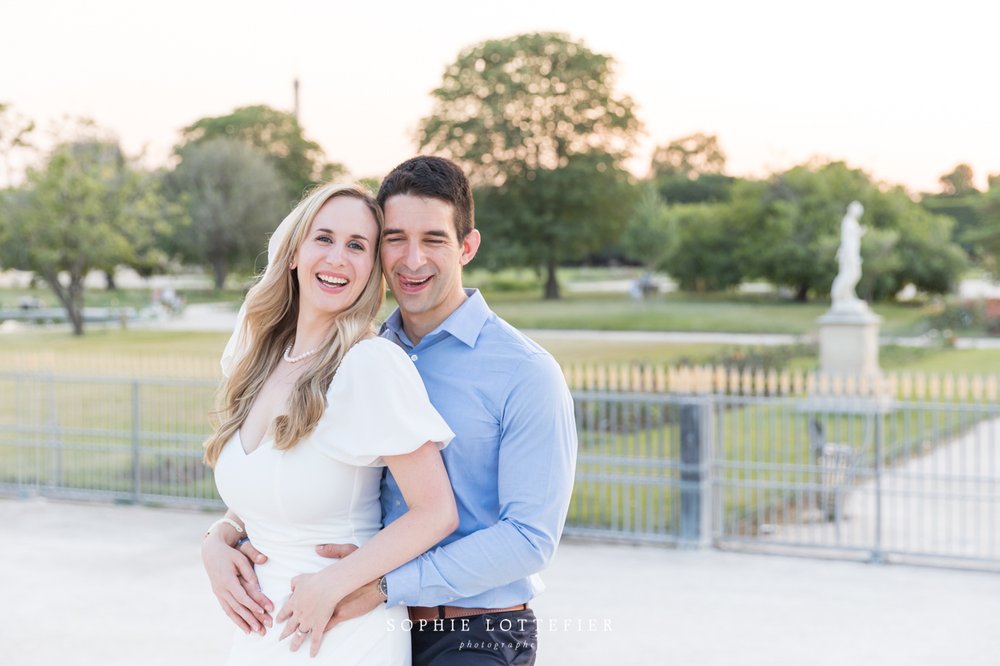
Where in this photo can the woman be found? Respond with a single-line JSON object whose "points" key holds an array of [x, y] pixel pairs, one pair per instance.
{"points": [[313, 405]]}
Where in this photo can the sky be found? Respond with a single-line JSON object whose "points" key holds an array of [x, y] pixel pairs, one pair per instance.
{"points": [[903, 89]]}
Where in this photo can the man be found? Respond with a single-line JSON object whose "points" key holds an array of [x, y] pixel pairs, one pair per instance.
{"points": [[511, 463]]}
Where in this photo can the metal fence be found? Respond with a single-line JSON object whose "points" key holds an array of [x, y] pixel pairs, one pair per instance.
{"points": [[857, 475], [632, 477], [868, 479], [105, 438], [865, 477]]}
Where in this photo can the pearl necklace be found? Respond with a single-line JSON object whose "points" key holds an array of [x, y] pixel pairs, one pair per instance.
{"points": [[295, 359]]}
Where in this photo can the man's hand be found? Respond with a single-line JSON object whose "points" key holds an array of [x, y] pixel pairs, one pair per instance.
{"points": [[336, 550], [357, 603], [234, 582]]}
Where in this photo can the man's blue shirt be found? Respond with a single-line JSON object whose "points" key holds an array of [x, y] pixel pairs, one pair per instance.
{"points": [[511, 463]]}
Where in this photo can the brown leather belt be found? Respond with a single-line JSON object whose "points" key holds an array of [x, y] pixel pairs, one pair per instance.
{"points": [[418, 613]]}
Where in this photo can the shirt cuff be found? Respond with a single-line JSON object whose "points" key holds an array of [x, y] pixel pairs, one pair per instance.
{"points": [[401, 583]]}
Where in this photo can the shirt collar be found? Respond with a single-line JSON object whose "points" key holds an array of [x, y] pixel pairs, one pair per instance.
{"points": [[465, 323]]}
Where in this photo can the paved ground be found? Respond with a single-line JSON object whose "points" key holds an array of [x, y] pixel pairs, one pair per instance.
{"points": [[123, 586]]}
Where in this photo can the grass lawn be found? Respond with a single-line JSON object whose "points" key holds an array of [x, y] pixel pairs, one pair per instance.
{"points": [[586, 351], [679, 312], [168, 353], [114, 352], [113, 340], [150, 353], [517, 299], [942, 360], [135, 298], [976, 361]]}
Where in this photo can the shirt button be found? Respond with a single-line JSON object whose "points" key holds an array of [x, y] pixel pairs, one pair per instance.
{"points": [[397, 502], [413, 357]]}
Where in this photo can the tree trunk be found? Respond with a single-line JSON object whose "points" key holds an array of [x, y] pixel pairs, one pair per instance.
{"points": [[802, 293], [109, 281], [76, 319], [71, 298], [551, 283], [219, 273], [76, 303]]}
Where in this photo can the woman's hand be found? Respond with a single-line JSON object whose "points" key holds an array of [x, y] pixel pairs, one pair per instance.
{"points": [[234, 583], [309, 609]]}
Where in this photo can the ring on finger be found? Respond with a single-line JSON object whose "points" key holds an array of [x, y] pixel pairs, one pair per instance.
{"points": [[299, 632]]}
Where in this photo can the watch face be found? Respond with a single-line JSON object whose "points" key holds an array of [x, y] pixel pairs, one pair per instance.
{"points": [[383, 587]]}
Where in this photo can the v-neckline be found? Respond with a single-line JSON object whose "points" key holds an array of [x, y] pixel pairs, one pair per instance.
{"points": [[260, 444]]}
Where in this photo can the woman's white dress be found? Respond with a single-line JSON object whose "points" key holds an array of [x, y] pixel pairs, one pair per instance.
{"points": [[325, 489]]}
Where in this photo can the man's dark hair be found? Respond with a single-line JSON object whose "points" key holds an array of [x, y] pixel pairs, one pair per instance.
{"points": [[434, 178]]}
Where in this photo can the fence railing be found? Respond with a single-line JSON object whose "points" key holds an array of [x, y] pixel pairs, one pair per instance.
{"points": [[105, 437], [856, 471], [721, 380]]}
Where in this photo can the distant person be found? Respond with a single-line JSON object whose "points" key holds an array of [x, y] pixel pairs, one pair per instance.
{"points": [[314, 406], [172, 300], [643, 287], [511, 463]]}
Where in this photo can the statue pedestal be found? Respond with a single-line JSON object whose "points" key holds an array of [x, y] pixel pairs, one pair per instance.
{"points": [[848, 341]]}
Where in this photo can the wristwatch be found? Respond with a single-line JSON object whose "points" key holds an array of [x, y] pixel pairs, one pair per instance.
{"points": [[383, 588]]}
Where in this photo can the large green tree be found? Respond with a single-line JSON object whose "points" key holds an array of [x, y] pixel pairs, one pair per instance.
{"points": [[691, 169], [960, 200], [88, 208], [144, 252], [986, 235], [690, 156], [275, 134], [557, 216], [536, 118], [233, 197], [926, 252], [958, 181], [707, 253]]}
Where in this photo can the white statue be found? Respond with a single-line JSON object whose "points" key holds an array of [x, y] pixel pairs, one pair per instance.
{"points": [[849, 260]]}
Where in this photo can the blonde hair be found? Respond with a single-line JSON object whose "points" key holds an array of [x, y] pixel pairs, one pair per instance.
{"points": [[272, 309]]}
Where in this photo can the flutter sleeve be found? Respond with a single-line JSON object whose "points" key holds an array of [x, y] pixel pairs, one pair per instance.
{"points": [[377, 406]]}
